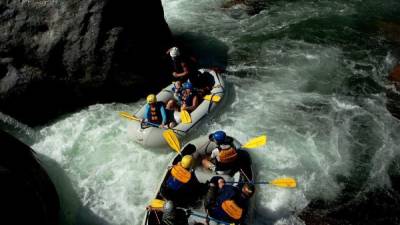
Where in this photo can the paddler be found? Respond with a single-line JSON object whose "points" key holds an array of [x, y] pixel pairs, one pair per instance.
{"points": [[182, 186]]}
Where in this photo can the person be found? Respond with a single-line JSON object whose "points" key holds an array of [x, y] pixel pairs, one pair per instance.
{"points": [[224, 158], [170, 214], [220, 138], [187, 101], [228, 203], [185, 69], [181, 68], [155, 111], [181, 186]]}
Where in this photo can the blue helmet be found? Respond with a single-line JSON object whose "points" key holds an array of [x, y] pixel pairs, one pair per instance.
{"points": [[187, 85], [219, 136]]}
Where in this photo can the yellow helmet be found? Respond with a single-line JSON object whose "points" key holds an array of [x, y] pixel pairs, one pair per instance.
{"points": [[151, 98], [186, 161]]}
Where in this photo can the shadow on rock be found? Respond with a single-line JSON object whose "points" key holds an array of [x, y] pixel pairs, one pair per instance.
{"points": [[27, 194]]}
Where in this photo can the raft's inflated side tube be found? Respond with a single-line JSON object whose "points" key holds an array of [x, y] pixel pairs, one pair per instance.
{"points": [[152, 136]]}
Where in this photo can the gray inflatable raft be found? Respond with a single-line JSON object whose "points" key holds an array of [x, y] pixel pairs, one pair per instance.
{"points": [[199, 148], [152, 136]]}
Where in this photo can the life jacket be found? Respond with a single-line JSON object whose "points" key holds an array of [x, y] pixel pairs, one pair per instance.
{"points": [[227, 209], [179, 177], [187, 100], [155, 114], [228, 155], [232, 209]]}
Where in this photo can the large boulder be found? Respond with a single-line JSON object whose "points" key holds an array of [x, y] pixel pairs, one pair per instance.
{"points": [[57, 56], [27, 194]]}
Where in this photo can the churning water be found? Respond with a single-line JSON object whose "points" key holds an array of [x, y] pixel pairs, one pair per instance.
{"points": [[309, 74]]}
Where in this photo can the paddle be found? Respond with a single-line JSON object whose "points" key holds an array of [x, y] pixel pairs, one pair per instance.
{"points": [[174, 143], [185, 117], [172, 140], [213, 98], [256, 142], [285, 182], [207, 217], [158, 203], [132, 117]]}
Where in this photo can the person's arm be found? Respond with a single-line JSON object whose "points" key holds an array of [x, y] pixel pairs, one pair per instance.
{"points": [[185, 71], [195, 103], [146, 112], [163, 115]]}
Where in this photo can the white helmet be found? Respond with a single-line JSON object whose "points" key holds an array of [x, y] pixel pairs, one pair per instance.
{"points": [[169, 207], [174, 52]]}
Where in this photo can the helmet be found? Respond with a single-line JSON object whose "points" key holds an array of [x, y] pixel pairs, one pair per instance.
{"points": [[168, 207], [174, 52], [186, 161], [187, 85], [151, 98], [219, 136]]}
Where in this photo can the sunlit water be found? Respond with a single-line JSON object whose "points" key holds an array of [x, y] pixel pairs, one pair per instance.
{"points": [[298, 71]]}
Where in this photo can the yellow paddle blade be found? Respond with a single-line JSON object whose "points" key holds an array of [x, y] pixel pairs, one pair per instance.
{"points": [[157, 203], [256, 142], [172, 140], [128, 116], [286, 182], [185, 117], [214, 98]]}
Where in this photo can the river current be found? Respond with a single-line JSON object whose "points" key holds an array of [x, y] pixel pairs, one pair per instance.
{"points": [[312, 75]]}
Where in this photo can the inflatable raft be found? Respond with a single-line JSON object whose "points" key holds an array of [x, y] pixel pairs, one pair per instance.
{"points": [[199, 148], [152, 136]]}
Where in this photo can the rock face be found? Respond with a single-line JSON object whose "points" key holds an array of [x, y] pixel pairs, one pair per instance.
{"points": [[26, 192], [56, 56]]}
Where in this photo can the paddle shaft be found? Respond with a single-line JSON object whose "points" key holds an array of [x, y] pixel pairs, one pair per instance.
{"points": [[148, 123], [258, 182], [165, 128], [206, 217]]}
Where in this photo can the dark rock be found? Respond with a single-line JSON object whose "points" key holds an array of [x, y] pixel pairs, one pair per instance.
{"points": [[393, 95], [395, 74], [26, 192], [57, 56], [390, 30]]}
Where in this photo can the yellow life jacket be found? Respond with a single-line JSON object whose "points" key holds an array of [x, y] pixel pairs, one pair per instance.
{"points": [[233, 210], [181, 174], [154, 114], [227, 155]]}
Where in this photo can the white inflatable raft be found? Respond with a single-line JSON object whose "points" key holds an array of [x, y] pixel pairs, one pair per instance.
{"points": [[152, 136]]}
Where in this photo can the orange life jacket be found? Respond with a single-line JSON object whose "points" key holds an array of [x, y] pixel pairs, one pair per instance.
{"points": [[181, 174], [227, 155], [154, 114], [233, 210]]}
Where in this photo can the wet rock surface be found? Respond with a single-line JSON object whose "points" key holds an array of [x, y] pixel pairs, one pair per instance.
{"points": [[57, 56]]}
